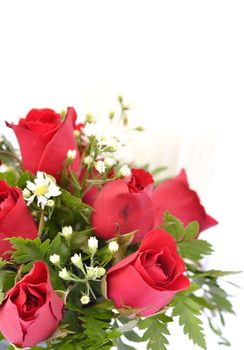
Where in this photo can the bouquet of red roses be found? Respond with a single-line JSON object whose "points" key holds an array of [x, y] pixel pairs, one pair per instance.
{"points": [[93, 252]]}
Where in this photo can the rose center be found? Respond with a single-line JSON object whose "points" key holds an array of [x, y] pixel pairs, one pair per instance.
{"points": [[41, 190], [31, 302]]}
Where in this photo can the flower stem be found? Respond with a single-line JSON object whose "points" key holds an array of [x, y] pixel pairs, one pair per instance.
{"points": [[41, 224]]}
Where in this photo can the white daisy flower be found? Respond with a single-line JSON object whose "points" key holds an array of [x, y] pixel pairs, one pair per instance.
{"points": [[43, 188]]}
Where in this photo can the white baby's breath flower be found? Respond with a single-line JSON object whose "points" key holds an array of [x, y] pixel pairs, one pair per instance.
{"points": [[55, 259], [71, 154], [43, 188], [92, 244], [50, 203], [88, 159], [109, 162], [95, 272], [67, 232], [100, 166], [26, 193], [85, 299], [76, 260], [125, 171], [113, 247], [64, 274]]}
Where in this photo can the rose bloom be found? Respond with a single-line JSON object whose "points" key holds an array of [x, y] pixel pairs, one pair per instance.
{"points": [[45, 139], [15, 218], [31, 310], [148, 279], [175, 196], [124, 206]]}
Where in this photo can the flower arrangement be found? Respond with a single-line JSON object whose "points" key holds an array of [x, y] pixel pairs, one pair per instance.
{"points": [[93, 251]]}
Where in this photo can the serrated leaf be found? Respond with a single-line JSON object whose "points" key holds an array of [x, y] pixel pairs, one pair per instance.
{"points": [[188, 312], [191, 231], [27, 250], [173, 226], [155, 332], [195, 250], [215, 273], [122, 346]]}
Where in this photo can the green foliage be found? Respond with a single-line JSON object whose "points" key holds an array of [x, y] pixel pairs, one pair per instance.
{"points": [[188, 312], [156, 330], [195, 250], [27, 250]]}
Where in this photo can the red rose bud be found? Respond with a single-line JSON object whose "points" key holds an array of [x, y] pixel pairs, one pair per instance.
{"points": [[15, 218], [148, 279], [31, 310], [44, 140], [175, 196], [124, 205]]}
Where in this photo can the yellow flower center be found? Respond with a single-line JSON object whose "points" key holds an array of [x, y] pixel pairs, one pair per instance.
{"points": [[41, 190]]}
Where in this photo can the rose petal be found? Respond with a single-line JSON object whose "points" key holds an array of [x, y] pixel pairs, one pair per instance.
{"points": [[127, 288]]}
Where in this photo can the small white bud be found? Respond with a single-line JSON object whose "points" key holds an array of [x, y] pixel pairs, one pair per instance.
{"points": [[92, 244], [71, 154], [76, 260], [125, 171], [85, 299], [50, 203], [26, 193], [113, 246], [87, 160], [100, 166], [101, 271], [64, 274], [109, 162], [55, 259], [95, 272], [67, 232]]}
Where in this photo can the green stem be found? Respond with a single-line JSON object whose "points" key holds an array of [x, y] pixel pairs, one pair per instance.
{"points": [[41, 224]]}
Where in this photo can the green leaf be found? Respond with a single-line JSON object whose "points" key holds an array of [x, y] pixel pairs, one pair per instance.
{"points": [[173, 226], [9, 176], [2, 263], [23, 179], [195, 250], [188, 312], [27, 250], [191, 231], [156, 329], [122, 346], [73, 201], [215, 273], [59, 246], [1, 296]]}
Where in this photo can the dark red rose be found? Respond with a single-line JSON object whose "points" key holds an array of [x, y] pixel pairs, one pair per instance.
{"points": [[31, 310], [148, 279], [45, 140], [124, 205], [15, 218], [175, 196]]}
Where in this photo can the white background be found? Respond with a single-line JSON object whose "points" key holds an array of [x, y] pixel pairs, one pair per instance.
{"points": [[180, 64]]}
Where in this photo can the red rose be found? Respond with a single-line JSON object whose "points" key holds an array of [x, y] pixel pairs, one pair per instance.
{"points": [[15, 218], [45, 140], [148, 279], [31, 310], [124, 206], [175, 196]]}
